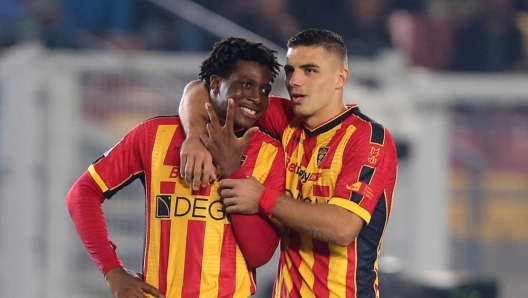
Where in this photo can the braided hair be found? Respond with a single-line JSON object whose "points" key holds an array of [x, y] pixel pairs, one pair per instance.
{"points": [[223, 58]]}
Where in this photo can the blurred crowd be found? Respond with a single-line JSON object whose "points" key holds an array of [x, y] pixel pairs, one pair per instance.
{"points": [[470, 35]]}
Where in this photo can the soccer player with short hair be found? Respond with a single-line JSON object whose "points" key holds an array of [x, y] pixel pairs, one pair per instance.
{"points": [[341, 169], [193, 248]]}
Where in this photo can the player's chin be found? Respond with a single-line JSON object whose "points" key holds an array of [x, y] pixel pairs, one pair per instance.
{"points": [[299, 111], [244, 123]]}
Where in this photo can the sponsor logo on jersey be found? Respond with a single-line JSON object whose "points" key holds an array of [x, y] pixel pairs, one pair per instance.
{"points": [[163, 206], [298, 169], [174, 172], [167, 207]]}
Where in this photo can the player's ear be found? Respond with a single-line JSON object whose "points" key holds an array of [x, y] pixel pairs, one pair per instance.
{"points": [[215, 83], [342, 78]]}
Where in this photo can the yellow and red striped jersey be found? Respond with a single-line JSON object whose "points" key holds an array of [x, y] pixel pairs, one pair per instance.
{"points": [[349, 161], [190, 248]]}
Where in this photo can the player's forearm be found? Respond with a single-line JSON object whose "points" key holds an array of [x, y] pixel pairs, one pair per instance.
{"points": [[192, 112], [84, 205], [256, 236], [324, 222]]}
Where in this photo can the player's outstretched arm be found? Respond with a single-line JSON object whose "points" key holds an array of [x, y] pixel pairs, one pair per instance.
{"points": [[124, 283], [196, 163]]}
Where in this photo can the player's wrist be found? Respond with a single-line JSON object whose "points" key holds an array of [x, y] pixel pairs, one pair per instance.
{"points": [[267, 201], [193, 137], [113, 272]]}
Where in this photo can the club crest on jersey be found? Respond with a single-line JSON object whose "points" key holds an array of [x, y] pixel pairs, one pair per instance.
{"points": [[243, 160], [374, 152], [322, 154]]}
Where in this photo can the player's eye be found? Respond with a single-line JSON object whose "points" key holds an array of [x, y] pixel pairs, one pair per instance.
{"points": [[266, 91]]}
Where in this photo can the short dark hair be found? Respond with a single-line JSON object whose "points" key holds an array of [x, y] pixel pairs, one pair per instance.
{"points": [[331, 41], [225, 54]]}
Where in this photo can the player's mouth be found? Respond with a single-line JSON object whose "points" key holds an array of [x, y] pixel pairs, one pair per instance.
{"points": [[297, 98], [249, 113]]}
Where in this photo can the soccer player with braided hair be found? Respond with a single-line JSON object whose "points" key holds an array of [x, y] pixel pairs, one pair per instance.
{"points": [[192, 247]]}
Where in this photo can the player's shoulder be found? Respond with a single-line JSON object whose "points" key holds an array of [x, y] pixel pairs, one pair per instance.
{"points": [[279, 98], [275, 100], [361, 120], [151, 125], [263, 136], [368, 128], [161, 120], [279, 107]]}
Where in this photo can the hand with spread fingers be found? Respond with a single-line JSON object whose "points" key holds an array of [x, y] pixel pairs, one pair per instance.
{"points": [[221, 141]]}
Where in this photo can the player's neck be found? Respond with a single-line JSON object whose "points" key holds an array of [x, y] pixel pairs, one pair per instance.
{"points": [[327, 113]]}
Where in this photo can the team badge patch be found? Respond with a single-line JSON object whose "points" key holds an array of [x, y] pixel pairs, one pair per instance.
{"points": [[322, 154], [374, 152], [163, 206]]}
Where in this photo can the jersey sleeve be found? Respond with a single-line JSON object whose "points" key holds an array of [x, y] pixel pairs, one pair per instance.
{"points": [[115, 169], [369, 164], [256, 235], [120, 165], [277, 117], [84, 205]]}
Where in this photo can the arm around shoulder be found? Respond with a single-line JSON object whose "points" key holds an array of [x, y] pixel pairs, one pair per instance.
{"points": [[192, 113], [196, 163]]}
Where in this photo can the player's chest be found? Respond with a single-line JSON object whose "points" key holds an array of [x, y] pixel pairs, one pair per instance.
{"points": [[312, 167]]}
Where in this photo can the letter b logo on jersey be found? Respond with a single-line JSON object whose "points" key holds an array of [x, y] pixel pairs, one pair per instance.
{"points": [[163, 206]]}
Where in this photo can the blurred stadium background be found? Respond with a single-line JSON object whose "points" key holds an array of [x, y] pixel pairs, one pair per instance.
{"points": [[447, 77]]}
